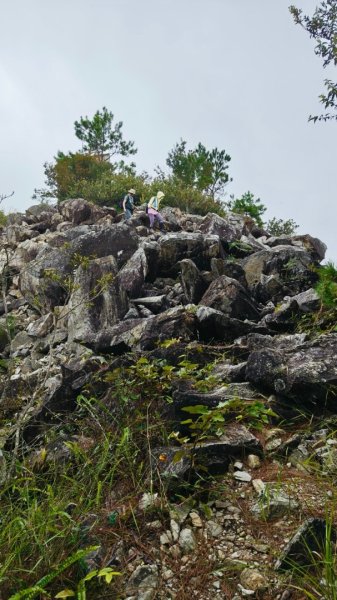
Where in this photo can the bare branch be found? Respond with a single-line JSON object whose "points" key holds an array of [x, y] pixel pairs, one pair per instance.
{"points": [[4, 197]]}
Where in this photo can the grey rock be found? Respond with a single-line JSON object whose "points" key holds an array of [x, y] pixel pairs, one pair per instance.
{"points": [[230, 297], [187, 540], [309, 538], [41, 327], [143, 582], [91, 311]]}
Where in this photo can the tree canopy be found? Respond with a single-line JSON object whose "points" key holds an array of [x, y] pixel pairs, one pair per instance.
{"points": [[322, 26], [202, 169], [100, 137]]}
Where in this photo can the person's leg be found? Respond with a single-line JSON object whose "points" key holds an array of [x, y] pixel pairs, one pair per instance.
{"points": [[160, 221], [151, 217], [127, 214]]}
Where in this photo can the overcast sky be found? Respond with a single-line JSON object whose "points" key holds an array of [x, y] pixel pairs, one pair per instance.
{"points": [[236, 74]]}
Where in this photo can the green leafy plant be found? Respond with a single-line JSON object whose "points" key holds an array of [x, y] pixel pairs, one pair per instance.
{"points": [[326, 287], [39, 587], [281, 227], [247, 205]]}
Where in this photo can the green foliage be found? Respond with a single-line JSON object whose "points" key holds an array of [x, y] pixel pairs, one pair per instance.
{"points": [[279, 227], [322, 26], [66, 176], [3, 219], [247, 205], [317, 578], [211, 422], [39, 587], [201, 169], [187, 198], [326, 287], [100, 138]]}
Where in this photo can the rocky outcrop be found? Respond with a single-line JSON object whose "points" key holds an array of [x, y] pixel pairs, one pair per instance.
{"points": [[208, 312]]}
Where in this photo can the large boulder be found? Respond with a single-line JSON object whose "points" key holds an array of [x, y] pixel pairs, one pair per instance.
{"points": [[307, 372], [97, 301], [78, 211], [141, 265], [283, 270], [230, 297], [215, 325], [192, 282], [174, 247], [145, 334], [42, 282], [227, 230]]}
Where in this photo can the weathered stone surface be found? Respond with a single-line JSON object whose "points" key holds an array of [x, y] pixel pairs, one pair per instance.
{"points": [[94, 306], [41, 327], [178, 246], [143, 582], [226, 230], [83, 241], [290, 266], [230, 297], [132, 276], [144, 334], [175, 465], [192, 282], [252, 579], [308, 371], [309, 538], [185, 395], [78, 210]]}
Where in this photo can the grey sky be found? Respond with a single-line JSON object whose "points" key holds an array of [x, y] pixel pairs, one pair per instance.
{"points": [[236, 74]]}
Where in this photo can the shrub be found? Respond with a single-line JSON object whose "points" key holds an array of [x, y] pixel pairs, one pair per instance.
{"points": [[280, 227]]}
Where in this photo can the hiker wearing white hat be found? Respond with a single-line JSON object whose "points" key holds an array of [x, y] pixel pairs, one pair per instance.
{"points": [[153, 210], [129, 204]]}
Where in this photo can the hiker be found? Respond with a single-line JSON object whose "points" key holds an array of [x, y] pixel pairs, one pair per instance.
{"points": [[153, 210], [129, 204]]}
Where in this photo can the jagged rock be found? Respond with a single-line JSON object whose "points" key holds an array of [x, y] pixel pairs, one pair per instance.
{"points": [[143, 582], [232, 269], [215, 325], [308, 301], [230, 297], [291, 267], [306, 372], [18, 233], [309, 539], [78, 210], [21, 341], [274, 503], [187, 396], [132, 276], [144, 334], [228, 231], [41, 327], [91, 311], [154, 303], [25, 253], [174, 247], [192, 282], [214, 455], [40, 212], [36, 282], [312, 245]]}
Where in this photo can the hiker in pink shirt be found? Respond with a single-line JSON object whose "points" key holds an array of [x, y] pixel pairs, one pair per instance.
{"points": [[153, 210]]}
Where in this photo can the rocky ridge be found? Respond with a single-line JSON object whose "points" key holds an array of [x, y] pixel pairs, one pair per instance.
{"points": [[80, 287]]}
